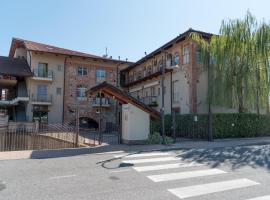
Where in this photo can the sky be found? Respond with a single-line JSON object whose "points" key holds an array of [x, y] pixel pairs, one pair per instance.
{"points": [[128, 28]]}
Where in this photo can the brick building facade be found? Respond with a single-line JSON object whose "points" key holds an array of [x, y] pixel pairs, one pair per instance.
{"points": [[80, 75]]}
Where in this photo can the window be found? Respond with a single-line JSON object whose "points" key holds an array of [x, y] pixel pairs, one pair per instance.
{"points": [[198, 56], [59, 67], [176, 59], [185, 55], [80, 93], [42, 70], [82, 71], [100, 75], [160, 64], [59, 91], [42, 93], [153, 91], [169, 60]]}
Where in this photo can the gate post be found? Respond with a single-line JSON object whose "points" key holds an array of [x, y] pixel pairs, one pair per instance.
{"points": [[77, 128]]}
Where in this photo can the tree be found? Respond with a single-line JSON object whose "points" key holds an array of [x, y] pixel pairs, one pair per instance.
{"points": [[239, 62]]}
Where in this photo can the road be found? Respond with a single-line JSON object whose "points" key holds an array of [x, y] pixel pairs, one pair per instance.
{"points": [[239, 173]]}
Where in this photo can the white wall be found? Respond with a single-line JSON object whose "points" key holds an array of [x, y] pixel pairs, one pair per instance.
{"points": [[135, 124]]}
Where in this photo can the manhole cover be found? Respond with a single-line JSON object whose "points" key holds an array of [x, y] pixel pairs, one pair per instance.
{"points": [[2, 185]]}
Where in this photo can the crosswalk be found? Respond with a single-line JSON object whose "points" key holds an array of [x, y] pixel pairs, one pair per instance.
{"points": [[168, 168]]}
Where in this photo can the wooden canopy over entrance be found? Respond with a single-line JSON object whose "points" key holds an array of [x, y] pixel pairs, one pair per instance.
{"points": [[122, 96]]}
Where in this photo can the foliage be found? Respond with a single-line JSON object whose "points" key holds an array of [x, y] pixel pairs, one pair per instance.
{"points": [[238, 64], [156, 138], [225, 125]]}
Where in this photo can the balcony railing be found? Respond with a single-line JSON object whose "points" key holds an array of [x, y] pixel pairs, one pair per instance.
{"points": [[149, 100], [105, 102], [43, 74], [41, 98], [7, 80], [155, 71]]}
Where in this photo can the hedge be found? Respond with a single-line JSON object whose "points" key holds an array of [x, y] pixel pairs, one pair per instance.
{"points": [[224, 125]]}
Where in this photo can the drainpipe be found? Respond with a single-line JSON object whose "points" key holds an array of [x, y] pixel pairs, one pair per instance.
{"points": [[64, 68]]}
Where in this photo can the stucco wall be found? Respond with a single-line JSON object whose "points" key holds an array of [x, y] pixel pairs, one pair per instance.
{"points": [[131, 118], [56, 109]]}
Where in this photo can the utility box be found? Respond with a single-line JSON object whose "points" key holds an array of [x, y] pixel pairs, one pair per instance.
{"points": [[135, 125]]}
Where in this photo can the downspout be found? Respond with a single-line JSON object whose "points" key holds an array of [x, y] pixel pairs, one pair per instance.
{"points": [[64, 68]]}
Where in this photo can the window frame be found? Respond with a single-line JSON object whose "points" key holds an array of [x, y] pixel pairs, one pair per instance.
{"points": [[82, 71], [100, 77]]}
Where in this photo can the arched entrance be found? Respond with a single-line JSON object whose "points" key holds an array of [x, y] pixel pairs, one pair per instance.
{"points": [[86, 122]]}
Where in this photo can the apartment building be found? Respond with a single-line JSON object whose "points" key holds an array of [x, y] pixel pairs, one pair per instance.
{"points": [[14, 98], [185, 82], [59, 79]]}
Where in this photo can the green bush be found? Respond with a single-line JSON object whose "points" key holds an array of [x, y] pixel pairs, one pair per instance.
{"points": [[224, 126], [156, 138]]}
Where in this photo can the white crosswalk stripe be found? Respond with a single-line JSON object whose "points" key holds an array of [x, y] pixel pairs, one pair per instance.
{"points": [[156, 161], [166, 166], [261, 198], [149, 160], [138, 155], [185, 175], [203, 189]]}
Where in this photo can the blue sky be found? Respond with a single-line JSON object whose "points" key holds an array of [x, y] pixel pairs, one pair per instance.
{"points": [[127, 27]]}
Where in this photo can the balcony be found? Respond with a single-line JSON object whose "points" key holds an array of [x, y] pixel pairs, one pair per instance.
{"points": [[105, 102], [8, 80], [148, 75], [40, 75], [150, 101], [38, 99]]}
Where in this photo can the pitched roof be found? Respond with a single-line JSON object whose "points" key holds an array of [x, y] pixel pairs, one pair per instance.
{"points": [[123, 97], [39, 47], [167, 45], [14, 67]]}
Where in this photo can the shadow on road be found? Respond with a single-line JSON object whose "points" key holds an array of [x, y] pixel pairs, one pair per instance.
{"points": [[237, 157]]}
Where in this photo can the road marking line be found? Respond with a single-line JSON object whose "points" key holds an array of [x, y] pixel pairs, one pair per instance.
{"points": [[119, 171], [167, 166], [137, 155], [261, 198], [185, 175], [66, 176], [197, 190], [149, 160], [110, 152]]}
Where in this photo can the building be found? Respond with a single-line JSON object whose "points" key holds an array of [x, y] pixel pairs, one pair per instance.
{"points": [[14, 97], [185, 83], [59, 78]]}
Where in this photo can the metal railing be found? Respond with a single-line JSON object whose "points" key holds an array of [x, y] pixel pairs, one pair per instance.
{"points": [[104, 101], [41, 98], [149, 100], [43, 74]]}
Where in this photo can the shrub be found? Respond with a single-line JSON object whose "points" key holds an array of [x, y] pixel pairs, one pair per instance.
{"points": [[224, 125], [156, 138]]}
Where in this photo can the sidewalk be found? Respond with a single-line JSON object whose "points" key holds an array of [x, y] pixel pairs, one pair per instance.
{"points": [[185, 144]]}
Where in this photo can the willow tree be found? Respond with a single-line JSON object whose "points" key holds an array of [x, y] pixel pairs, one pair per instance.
{"points": [[238, 64]]}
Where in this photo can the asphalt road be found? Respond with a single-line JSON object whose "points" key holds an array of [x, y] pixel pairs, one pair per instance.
{"points": [[238, 173]]}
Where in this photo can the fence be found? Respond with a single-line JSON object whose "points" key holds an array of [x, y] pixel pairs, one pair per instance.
{"points": [[225, 125], [35, 136], [182, 127]]}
